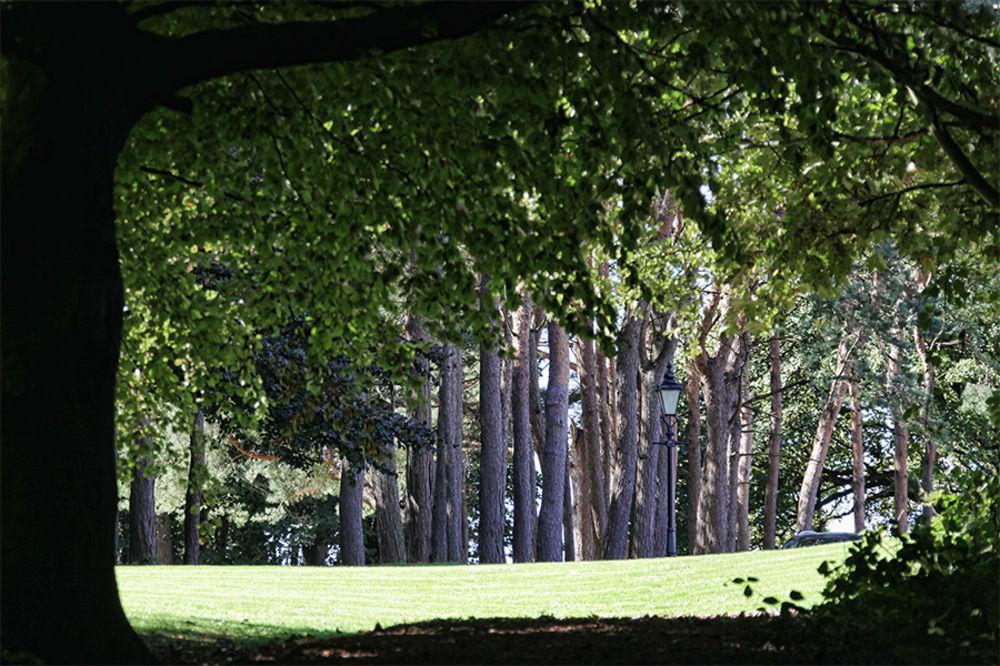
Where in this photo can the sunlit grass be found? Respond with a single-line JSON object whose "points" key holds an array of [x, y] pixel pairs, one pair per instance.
{"points": [[266, 602]]}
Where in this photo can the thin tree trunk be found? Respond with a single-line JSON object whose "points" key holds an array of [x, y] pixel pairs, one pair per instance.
{"points": [[550, 537], [773, 446], [608, 428], [388, 521], [857, 454], [626, 453], [493, 449], [733, 375], [193, 498], [591, 458], [821, 440], [222, 539], [142, 515], [524, 455], [352, 489], [569, 533], [419, 461], [745, 452], [693, 392], [656, 434], [930, 446], [900, 438], [644, 501]]}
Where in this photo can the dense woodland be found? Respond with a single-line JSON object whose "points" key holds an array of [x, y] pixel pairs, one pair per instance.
{"points": [[367, 283]]}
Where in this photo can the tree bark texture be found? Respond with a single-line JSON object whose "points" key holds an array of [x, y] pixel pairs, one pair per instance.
{"points": [[656, 434], [930, 446], [457, 522], [193, 497], [857, 454], [388, 521], [821, 440], [352, 490], [626, 454], [524, 454], [773, 445], [692, 389], [550, 516], [142, 515], [419, 461], [648, 490], [745, 451], [569, 531], [592, 458], [583, 506], [713, 509], [164, 540], [493, 451]]}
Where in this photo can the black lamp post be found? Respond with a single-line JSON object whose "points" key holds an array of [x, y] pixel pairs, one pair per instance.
{"points": [[669, 391]]}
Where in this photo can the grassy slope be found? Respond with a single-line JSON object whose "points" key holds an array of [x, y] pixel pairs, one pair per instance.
{"points": [[259, 603]]}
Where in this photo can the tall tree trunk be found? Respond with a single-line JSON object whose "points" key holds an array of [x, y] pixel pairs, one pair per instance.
{"points": [[60, 351], [388, 521], [493, 460], [142, 515], [745, 451], [930, 446], [857, 454], [581, 474], [821, 440], [164, 540], [457, 523], [524, 455], [569, 533], [419, 461], [193, 497], [693, 394], [900, 437], [713, 509], [627, 451], [773, 446], [651, 497], [606, 380], [352, 490], [447, 536], [592, 463], [732, 375], [550, 537]]}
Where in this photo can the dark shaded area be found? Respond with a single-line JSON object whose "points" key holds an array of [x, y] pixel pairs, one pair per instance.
{"points": [[648, 640]]}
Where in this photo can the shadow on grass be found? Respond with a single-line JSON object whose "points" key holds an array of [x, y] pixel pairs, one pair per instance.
{"points": [[689, 640]]}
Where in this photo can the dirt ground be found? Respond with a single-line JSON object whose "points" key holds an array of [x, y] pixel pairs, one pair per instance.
{"points": [[756, 639]]}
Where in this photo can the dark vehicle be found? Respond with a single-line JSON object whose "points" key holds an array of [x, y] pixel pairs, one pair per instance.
{"points": [[810, 538]]}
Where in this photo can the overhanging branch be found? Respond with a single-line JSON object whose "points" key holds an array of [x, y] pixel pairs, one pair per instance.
{"points": [[213, 53]]}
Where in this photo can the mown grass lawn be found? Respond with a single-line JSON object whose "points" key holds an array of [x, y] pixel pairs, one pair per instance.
{"points": [[265, 603]]}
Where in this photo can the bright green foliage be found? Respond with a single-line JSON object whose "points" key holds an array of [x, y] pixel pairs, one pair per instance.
{"points": [[266, 603], [942, 582]]}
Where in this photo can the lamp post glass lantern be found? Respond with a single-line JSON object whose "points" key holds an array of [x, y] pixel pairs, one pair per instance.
{"points": [[670, 392]]}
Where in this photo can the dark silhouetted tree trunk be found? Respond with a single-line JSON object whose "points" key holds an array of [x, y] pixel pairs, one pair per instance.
{"points": [[569, 531], [626, 454], [821, 441], [773, 446], [164, 539], [450, 434], [419, 461], [550, 523], [442, 531], [193, 498], [222, 539], [352, 490], [493, 448], [388, 521], [142, 515], [524, 456]]}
